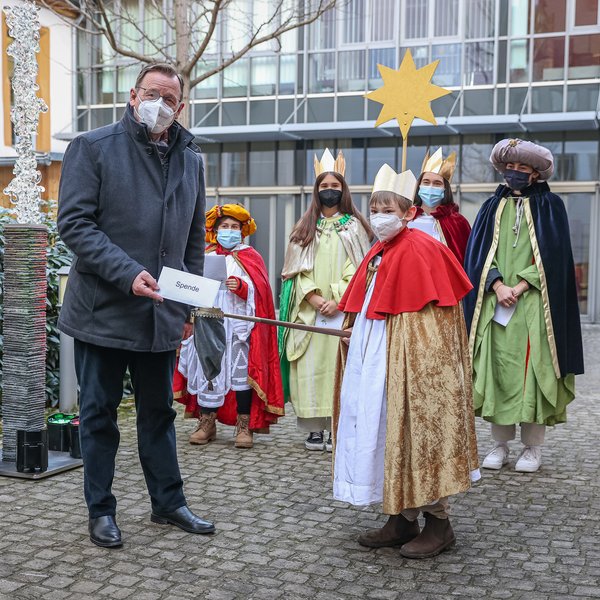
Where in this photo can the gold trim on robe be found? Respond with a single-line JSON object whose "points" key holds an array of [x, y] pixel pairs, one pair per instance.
{"points": [[484, 273]]}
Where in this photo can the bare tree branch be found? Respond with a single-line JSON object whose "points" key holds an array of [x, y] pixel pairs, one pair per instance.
{"points": [[288, 25]]}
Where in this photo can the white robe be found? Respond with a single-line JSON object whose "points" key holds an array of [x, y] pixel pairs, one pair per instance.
{"points": [[427, 224], [234, 366], [360, 440]]}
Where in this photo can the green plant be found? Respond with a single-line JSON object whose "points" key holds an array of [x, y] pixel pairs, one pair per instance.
{"points": [[57, 256]]}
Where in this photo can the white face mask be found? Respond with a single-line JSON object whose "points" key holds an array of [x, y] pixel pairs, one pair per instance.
{"points": [[386, 226], [156, 115]]}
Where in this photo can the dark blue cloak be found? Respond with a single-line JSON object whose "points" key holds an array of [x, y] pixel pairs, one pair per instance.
{"points": [[552, 233]]}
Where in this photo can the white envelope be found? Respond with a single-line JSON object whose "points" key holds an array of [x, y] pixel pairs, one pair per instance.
{"points": [[187, 288], [503, 315], [334, 322], [215, 267]]}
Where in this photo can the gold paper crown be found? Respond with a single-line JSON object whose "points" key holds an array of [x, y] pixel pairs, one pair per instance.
{"points": [[403, 184], [436, 164], [328, 164]]}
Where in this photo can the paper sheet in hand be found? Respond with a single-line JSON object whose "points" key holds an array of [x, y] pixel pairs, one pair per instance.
{"points": [[187, 288], [334, 322], [503, 315], [215, 267]]}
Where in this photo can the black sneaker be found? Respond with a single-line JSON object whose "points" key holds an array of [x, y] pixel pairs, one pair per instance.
{"points": [[329, 443], [314, 441]]}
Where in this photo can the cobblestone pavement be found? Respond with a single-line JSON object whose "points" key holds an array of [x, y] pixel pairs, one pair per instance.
{"points": [[280, 535]]}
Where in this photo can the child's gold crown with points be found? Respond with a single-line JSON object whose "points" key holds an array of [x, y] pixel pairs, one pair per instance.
{"points": [[403, 184], [328, 164], [436, 164]]}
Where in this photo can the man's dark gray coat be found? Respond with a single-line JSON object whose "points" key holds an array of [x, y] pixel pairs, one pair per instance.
{"points": [[119, 217]]}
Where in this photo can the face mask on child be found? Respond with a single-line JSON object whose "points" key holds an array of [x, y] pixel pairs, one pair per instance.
{"points": [[516, 180], [431, 196], [386, 226], [229, 238], [330, 197]]}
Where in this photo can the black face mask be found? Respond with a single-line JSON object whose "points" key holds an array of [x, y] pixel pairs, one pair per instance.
{"points": [[516, 180], [330, 197]]}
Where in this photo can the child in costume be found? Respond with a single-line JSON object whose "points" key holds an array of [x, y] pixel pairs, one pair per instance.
{"points": [[519, 258], [326, 246], [437, 214], [405, 431], [247, 393]]}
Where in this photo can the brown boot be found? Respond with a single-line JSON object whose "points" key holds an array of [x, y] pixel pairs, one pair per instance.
{"points": [[397, 531], [243, 435], [437, 535], [206, 430]]}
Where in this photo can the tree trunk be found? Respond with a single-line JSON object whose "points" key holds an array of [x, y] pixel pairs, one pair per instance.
{"points": [[182, 45]]}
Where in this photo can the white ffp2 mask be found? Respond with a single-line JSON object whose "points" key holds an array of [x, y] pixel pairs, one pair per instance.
{"points": [[156, 115], [386, 226]]}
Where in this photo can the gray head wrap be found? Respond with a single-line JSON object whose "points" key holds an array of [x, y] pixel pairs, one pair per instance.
{"points": [[522, 151]]}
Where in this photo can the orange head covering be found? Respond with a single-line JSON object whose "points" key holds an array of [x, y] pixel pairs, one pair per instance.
{"points": [[235, 211]]}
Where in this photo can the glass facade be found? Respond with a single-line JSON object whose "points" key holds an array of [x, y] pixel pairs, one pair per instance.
{"points": [[522, 68]]}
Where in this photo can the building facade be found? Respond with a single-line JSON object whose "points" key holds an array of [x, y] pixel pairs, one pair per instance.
{"points": [[516, 68]]}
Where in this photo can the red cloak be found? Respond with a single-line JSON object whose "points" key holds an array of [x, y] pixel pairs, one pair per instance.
{"points": [[455, 227], [264, 374], [415, 270]]}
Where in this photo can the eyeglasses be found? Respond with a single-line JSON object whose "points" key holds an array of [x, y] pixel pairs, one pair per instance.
{"points": [[151, 94]]}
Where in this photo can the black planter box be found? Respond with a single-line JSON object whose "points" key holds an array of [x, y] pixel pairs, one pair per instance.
{"points": [[32, 450]]}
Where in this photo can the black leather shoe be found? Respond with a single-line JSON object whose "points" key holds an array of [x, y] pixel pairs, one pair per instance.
{"points": [[185, 519], [104, 532]]}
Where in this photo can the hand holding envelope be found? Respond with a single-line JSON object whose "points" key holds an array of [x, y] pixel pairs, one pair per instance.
{"points": [[187, 288]]}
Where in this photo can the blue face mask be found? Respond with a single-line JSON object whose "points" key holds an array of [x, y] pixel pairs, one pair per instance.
{"points": [[431, 196], [516, 180], [229, 238]]}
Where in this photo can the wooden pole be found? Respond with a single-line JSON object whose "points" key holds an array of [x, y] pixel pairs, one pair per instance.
{"points": [[404, 151]]}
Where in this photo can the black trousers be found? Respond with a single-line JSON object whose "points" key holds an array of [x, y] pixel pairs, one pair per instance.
{"points": [[100, 373]]}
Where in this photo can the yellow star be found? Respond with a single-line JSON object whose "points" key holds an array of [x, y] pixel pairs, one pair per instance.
{"points": [[406, 93]]}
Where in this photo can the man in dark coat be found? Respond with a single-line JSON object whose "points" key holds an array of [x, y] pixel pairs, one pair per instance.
{"points": [[131, 201]]}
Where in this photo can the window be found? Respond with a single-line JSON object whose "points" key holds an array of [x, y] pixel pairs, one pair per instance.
{"points": [[475, 160], [261, 166], [321, 72], [263, 75], [446, 18], [550, 15], [351, 71], [380, 56], [287, 74], [383, 19], [547, 99], [479, 63], [579, 209], [519, 61], [353, 31], [208, 88], [587, 12], [415, 19], [448, 71], [548, 59], [519, 17], [235, 79], [480, 18], [322, 32], [584, 56], [234, 167]]}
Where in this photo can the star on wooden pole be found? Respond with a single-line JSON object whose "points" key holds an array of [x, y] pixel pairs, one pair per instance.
{"points": [[406, 94]]}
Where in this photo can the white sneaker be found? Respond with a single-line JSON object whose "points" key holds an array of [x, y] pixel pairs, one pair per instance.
{"points": [[497, 458], [530, 459]]}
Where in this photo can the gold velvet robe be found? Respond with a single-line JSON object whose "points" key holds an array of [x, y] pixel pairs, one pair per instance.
{"points": [[431, 446]]}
